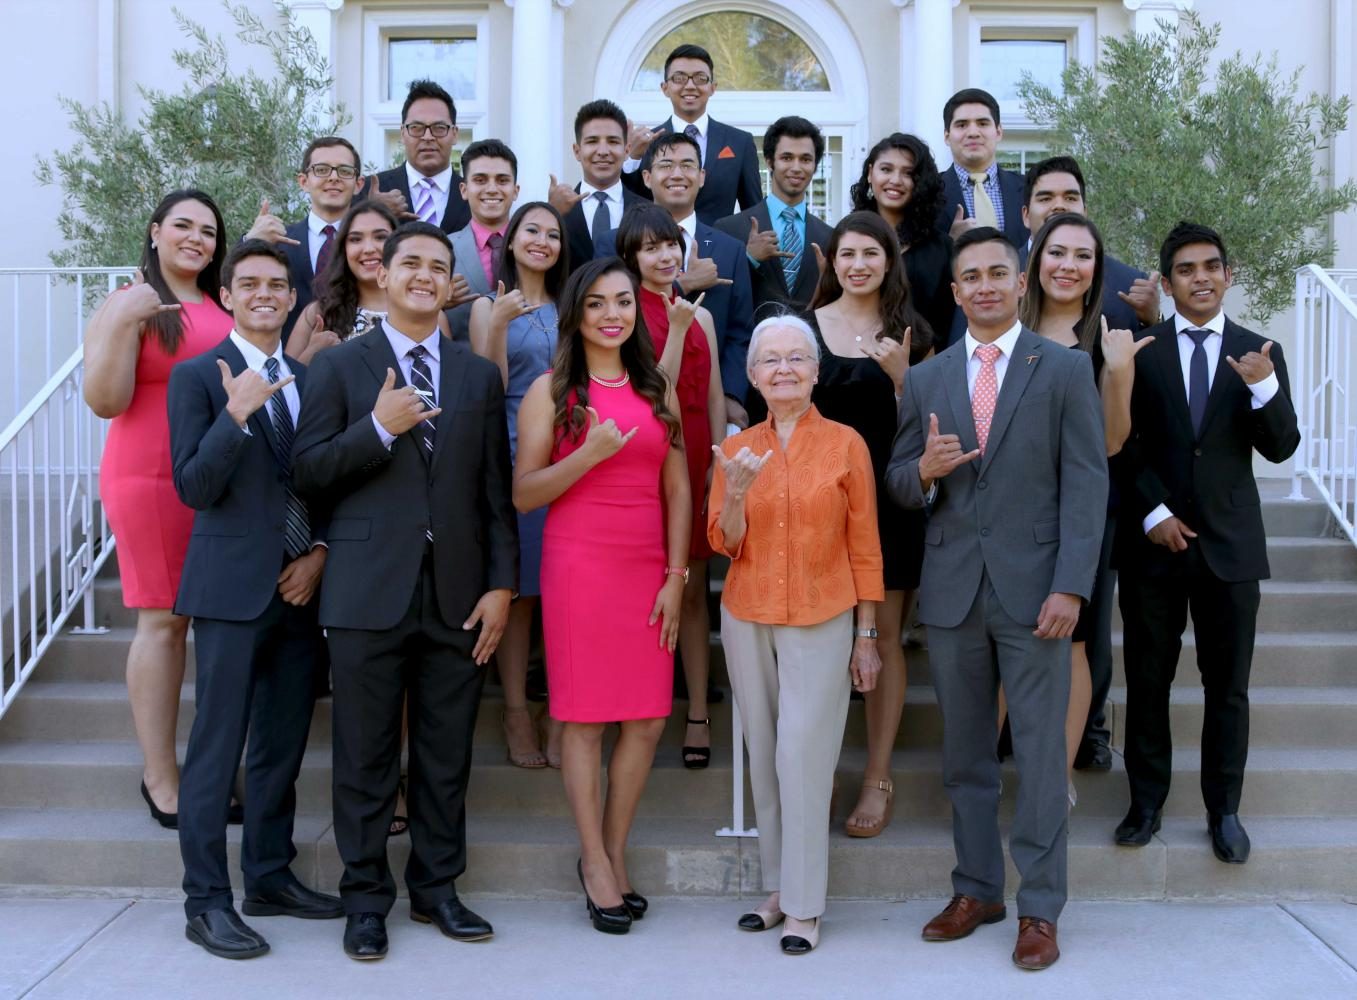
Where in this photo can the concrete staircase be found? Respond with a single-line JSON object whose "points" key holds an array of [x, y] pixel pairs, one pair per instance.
{"points": [[72, 821]]}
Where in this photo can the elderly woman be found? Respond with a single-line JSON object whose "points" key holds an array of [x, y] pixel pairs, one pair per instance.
{"points": [[793, 504]]}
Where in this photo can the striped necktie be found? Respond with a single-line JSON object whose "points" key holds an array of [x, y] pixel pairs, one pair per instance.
{"points": [[422, 380], [296, 523], [791, 243], [424, 203]]}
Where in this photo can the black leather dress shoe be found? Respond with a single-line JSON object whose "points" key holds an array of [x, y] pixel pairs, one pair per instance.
{"points": [[1139, 826], [455, 921], [1228, 839], [1093, 755], [293, 900], [222, 933], [365, 936]]}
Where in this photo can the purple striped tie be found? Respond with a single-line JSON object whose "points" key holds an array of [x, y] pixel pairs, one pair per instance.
{"points": [[424, 208]]}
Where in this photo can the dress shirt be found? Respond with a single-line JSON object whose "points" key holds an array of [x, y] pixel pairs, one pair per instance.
{"points": [[689, 227], [440, 194], [996, 195], [775, 207], [400, 346], [1262, 392], [1005, 343], [632, 164], [590, 204], [483, 251], [254, 360], [315, 224]]}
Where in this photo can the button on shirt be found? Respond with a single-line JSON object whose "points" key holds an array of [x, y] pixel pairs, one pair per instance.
{"points": [[590, 204], [440, 194], [254, 360], [1005, 343], [991, 186], [400, 346], [1262, 392]]}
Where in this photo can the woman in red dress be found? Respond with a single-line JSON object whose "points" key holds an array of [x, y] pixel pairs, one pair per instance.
{"points": [[168, 314], [651, 244], [599, 441]]}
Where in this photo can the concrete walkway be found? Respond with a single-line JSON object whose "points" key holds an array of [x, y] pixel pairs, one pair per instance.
{"points": [[93, 949]]}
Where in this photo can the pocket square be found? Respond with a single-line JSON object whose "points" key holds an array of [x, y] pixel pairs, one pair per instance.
{"points": [[726, 153]]}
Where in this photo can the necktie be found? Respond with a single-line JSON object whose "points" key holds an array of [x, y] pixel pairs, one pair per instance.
{"points": [[984, 207], [327, 250], [985, 393], [791, 243], [422, 380], [296, 523], [496, 244], [1198, 380], [603, 223], [424, 203], [692, 133]]}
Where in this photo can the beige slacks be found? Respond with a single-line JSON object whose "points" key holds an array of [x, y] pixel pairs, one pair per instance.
{"points": [[791, 686]]}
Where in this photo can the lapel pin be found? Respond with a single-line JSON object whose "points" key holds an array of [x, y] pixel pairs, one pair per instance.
{"points": [[1031, 358]]}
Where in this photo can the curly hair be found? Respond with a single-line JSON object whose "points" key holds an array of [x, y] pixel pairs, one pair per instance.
{"points": [[926, 201], [336, 287]]}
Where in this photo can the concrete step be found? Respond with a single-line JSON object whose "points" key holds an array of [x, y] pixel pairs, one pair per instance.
{"points": [[1312, 559]]}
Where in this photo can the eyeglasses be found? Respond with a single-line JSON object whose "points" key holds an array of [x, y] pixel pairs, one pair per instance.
{"points": [[774, 363], [417, 129], [324, 170], [681, 79]]}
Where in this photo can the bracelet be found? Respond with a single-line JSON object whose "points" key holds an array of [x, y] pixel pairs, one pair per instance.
{"points": [[677, 571]]}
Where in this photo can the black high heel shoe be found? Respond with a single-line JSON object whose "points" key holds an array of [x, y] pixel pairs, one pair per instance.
{"points": [[697, 758], [636, 904], [608, 919], [170, 821]]}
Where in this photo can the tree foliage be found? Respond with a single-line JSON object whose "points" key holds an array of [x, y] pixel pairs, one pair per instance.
{"points": [[1160, 139], [751, 53], [237, 136]]}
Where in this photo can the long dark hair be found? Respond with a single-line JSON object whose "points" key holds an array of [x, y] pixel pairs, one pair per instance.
{"points": [[336, 287], [555, 276], [1034, 299], [926, 200], [570, 370], [168, 326], [897, 306]]}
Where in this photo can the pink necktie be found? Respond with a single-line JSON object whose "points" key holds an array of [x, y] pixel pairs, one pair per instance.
{"points": [[985, 393]]}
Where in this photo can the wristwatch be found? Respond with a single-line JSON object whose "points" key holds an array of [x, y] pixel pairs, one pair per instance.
{"points": [[677, 571], [866, 633]]}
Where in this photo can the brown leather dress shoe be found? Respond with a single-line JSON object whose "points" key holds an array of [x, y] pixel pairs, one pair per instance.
{"points": [[1036, 948], [962, 916]]}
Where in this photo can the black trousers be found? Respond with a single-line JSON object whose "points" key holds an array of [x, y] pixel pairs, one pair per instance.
{"points": [[1224, 618], [1098, 643], [372, 672], [254, 676]]}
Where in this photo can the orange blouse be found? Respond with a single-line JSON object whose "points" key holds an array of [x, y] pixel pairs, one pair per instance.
{"points": [[810, 548]]}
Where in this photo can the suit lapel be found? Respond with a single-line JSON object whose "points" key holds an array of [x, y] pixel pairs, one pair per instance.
{"points": [[1231, 346], [1165, 351], [464, 248], [260, 422], [1027, 351], [809, 275], [451, 375], [764, 218], [959, 394], [454, 196]]}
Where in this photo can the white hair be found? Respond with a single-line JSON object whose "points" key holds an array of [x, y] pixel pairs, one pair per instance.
{"points": [[786, 321]]}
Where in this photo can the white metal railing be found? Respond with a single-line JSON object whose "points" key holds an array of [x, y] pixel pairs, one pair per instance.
{"points": [[54, 536], [1324, 380]]}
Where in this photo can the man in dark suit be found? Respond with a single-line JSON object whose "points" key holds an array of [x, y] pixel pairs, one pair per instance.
{"points": [[780, 230], [1208, 393], [1003, 435], [254, 562], [425, 186], [331, 175], [977, 191], [726, 153], [714, 263], [404, 432]]}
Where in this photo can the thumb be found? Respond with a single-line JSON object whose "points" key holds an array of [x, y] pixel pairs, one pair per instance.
{"points": [[753, 226], [263, 208], [390, 380], [1154, 277], [138, 277], [553, 181], [376, 186], [500, 294], [960, 213], [593, 416], [225, 371], [1266, 349], [1103, 321], [819, 256], [932, 425]]}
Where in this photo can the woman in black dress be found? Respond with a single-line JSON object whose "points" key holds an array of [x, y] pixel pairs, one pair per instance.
{"points": [[869, 336]]}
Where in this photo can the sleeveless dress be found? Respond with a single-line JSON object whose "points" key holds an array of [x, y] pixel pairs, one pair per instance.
{"points": [[136, 484], [694, 381], [603, 562]]}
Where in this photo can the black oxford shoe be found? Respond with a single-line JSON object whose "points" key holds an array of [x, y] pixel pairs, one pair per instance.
{"points": [[293, 900], [222, 933], [1139, 826], [455, 921], [1093, 755], [365, 936], [1228, 839]]}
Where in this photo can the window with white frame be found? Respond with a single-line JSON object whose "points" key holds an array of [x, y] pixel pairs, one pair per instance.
{"points": [[1005, 44]]}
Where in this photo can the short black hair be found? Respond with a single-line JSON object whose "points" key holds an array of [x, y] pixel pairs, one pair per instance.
{"points": [[427, 88], [978, 235], [971, 95], [486, 148], [667, 141], [689, 52], [1052, 165], [409, 229], [643, 219], [326, 141], [595, 110], [793, 127], [1184, 234], [252, 248]]}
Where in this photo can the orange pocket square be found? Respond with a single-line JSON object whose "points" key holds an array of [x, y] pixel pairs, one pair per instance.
{"points": [[726, 154]]}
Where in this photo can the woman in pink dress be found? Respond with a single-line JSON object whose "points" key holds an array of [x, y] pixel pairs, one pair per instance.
{"points": [[599, 440], [169, 313]]}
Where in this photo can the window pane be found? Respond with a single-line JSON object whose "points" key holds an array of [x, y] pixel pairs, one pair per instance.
{"points": [[826, 187], [1003, 60], [450, 62], [750, 53]]}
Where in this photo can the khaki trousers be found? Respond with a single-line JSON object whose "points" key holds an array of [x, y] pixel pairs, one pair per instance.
{"points": [[791, 686]]}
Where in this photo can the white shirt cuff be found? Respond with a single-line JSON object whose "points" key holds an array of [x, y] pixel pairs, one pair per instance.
{"points": [[1160, 513], [387, 438], [630, 165], [1264, 391]]}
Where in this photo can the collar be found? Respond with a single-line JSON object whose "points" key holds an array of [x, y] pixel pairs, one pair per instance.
{"points": [[401, 343], [614, 193], [315, 224], [776, 206], [443, 178], [689, 224], [964, 175], [808, 420], [1216, 324], [703, 123], [1005, 343], [482, 234], [255, 358]]}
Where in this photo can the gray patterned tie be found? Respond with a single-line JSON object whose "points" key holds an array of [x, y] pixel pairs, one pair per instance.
{"points": [[791, 243], [422, 379], [296, 522]]}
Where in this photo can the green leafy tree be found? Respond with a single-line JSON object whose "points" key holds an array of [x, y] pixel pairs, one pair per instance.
{"points": [[1161, 139], [237, 136]]}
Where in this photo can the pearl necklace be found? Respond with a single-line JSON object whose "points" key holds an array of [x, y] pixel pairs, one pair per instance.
{"points": [[611, 383]]}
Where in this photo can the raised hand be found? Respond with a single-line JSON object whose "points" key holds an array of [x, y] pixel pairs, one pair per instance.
{"points": [[459, 291], [740, 470], [1144, 298], [508, 306], [562, 197], [398, 410], [681, 313], [892, 356], [269, 227], [139, 302], [1172, 534], [960, 223], [393, 200], [1254, 366], [247, 392], [638, 140], [820, 261], [1120, 348], [762, 245], [942, 454], [701, 275], [605, 439]]}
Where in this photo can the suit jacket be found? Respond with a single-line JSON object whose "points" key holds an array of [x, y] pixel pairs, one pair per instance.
{"points": [[237, 486], [1206, 480], [466, 260], [578, 236], [384, 500], [1011, 187], [457, 214], [769, 281], [730, 178], [731, 306], [303, 277], [1029, 512]]}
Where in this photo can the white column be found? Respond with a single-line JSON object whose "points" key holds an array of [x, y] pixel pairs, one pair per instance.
{"points": [[926, 41], [1148, 13], [318, 17], [107, 90], [532, 125]]}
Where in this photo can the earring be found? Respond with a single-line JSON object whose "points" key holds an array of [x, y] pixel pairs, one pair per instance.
{"points": [[153, 244], [871, 195]]}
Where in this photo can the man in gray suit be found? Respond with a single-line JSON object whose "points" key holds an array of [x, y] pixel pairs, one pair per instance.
{"points": [[1002, 434], [490, 188]]}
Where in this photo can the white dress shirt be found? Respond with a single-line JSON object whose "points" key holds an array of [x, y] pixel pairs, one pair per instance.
{"points": [[703, 124], [315, 224], [689, 227], [1005, 343], [443, 180], [254, 360], [1262, 391], [590, 204], [400, 346]]}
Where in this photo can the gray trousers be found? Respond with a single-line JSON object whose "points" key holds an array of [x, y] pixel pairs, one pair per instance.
{"points": [[968, 663], [791, 686]]}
